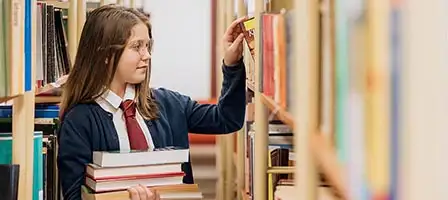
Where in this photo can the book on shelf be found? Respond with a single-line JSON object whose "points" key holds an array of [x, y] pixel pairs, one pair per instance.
{"points": [[15, 48], [6, 152], [281, 153], [275, 59], [21, 51], [247, 27], [45, 146], [52, 57], [112, 172]]}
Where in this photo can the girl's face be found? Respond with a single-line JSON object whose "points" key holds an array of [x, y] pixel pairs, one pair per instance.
{"points": [[135, 60]]}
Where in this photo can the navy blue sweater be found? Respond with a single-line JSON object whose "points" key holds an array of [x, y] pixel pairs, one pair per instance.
{"points": [[87, 127]]}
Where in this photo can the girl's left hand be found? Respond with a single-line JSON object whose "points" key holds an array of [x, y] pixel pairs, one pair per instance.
{"points": [[141, 192], [233, 47]]}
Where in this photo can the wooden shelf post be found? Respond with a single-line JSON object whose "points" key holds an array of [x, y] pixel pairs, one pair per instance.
{"points": [[229, 138], [241, 156], [72, 25], [221, 150], [81, 17], [261, 119], [23, 123], [305, 45]]}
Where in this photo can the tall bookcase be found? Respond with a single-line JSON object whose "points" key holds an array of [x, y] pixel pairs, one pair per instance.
{"points": [[22, 34], [303, 118], [309, 144], [388, 74]]}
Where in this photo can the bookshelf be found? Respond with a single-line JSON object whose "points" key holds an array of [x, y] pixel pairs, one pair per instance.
{"points": [[22, 36], [377, 131], [312, 148]]}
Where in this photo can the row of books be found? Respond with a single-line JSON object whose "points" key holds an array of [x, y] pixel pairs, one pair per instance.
{"points": [[275, 36], [280, 154], [276, 60], [45, 178], [52, 57], [19, 47], [112, 173]]}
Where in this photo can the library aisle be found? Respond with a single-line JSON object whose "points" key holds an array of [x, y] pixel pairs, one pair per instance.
{"points": [[345, 99]]}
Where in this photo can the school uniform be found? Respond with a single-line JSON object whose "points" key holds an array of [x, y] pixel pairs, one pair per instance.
{"points": [[99, 126]]}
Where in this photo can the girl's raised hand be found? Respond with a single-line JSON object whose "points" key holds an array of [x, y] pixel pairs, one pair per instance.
{"points": [[233, 47]]}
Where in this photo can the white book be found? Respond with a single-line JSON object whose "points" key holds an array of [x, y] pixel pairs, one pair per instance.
{"points": [[135, 158]]}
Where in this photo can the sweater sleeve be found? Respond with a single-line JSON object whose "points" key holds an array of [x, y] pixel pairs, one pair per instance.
{"points": [[228, 114], [74, 153]]}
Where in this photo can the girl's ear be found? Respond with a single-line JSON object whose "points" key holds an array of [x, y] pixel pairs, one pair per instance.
{"points": [[106, 61]]}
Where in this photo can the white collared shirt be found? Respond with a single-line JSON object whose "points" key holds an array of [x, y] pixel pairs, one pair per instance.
{"points": [[110, 102]]}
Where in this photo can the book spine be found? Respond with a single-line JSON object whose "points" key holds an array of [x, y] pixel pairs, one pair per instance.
{"points": [[28, 45]]}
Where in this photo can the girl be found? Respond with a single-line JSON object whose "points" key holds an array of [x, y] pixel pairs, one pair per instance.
{"points": [[110, 82]]}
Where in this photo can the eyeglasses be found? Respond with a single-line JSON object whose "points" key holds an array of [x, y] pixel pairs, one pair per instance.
{"points": [[142, 48]]}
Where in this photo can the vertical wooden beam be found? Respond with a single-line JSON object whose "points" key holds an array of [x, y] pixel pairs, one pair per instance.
{"points": [[241, 158], [81, 17], [261, 118], [23, 107], [230, 138], [377, 98], [214, 40], [23, 111], [220, 156], [305, 70], [73, 30]]}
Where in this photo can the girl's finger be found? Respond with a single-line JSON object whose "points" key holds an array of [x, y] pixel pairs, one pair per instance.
{"points": [[142, 193], [237, 42], [133, 192], [150, 194]]}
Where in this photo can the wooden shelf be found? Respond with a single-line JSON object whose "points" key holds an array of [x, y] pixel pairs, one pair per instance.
{"points": [[281, 170], [5, 99], [48, 99], [281, 113], [58, 4]]}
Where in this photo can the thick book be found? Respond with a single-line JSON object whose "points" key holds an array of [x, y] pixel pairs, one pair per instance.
{"points": [[97, 172], [181, 191], [9, 181], [168, 155], [122, 183]]}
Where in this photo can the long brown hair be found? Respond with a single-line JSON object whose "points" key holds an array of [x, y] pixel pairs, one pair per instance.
{"points": [[104, 36]]}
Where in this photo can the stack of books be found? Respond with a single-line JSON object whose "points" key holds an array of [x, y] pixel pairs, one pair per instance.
{"points": [[112, 173]]}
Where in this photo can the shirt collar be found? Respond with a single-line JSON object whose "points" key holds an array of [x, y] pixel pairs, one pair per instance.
{"points": [[110, 99]]}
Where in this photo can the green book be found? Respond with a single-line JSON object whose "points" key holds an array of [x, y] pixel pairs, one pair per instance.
{"points": [[6, 158], [3, 48]]}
